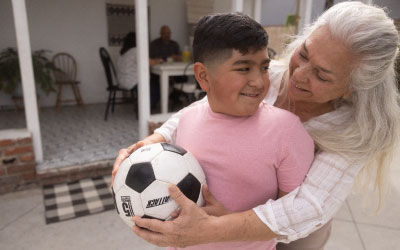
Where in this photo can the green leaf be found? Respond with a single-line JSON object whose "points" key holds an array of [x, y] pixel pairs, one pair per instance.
{"points": [[10, 76]]}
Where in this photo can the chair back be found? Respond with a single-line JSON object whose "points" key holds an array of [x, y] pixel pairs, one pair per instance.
{"points": [[66, 67], [109, 68]]}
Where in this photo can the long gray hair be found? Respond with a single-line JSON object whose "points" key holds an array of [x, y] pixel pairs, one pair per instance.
{"points": [[370, 132]]}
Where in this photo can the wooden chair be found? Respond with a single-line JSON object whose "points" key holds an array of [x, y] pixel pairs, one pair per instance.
{"points": [[112, 85], [64, 76]]}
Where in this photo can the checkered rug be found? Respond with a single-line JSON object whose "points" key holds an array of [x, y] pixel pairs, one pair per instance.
{"points": [[76, 199]]}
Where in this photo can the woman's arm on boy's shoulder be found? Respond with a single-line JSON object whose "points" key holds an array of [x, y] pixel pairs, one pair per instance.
{"points": [[315, 202]]}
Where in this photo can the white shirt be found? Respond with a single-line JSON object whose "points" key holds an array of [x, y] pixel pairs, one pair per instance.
{"points": [[323, 191], [127, 69]]}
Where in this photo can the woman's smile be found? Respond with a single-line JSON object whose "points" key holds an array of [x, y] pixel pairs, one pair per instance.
{"points": [[297, 88]]}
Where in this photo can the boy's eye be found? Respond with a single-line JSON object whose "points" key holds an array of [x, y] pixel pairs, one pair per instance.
{"points": [[243, 69], [265, 68]]}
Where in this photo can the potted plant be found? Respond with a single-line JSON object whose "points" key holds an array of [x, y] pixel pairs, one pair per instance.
{"points": [[10, 77]]}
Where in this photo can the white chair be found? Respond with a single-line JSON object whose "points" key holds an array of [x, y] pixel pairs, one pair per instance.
{"points": [[187, 91]]}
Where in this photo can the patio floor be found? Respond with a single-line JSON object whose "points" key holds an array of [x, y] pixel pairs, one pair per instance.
{"points": [[22, 226], [75, 136]]}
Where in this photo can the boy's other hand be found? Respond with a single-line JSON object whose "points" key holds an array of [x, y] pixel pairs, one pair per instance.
{"points": [[122, 155], [125, 152], [213, 206]]}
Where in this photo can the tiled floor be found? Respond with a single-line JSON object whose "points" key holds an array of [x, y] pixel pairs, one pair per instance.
{"points": [[357, 227], [75, 136]]}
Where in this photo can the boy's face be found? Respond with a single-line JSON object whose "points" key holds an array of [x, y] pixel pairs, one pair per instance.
{"points": [[238, 85]]}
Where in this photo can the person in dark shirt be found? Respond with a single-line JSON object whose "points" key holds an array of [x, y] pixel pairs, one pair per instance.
{"points": [[163, 47]]}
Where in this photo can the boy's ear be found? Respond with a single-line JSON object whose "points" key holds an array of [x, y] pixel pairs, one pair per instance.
{"points": [[202, 75]]}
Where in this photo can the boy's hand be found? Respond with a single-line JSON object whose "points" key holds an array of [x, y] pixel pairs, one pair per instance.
{"points": [[125, 152], [122, 155], [213, 206]]}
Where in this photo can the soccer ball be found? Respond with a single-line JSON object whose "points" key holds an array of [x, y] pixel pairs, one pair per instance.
{"points": [[141, 184]]}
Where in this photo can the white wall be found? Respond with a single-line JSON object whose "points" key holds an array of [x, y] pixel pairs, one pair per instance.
{"points": [[76, 27], [171, 13], [80, 28]]}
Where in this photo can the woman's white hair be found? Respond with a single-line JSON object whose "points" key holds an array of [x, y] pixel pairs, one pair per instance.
{"points": [[372, 127]]}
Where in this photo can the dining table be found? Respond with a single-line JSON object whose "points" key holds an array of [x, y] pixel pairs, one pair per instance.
{"points": [[165, 70]]}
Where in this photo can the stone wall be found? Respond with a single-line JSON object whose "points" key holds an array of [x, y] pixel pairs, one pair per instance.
{"points": [[17, 160]]}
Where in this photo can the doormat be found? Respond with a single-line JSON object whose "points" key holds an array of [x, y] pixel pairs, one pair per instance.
{"points": [[76, 199]]}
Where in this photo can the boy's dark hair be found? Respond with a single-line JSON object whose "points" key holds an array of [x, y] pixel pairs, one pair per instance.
{"points": [[217, 35]]}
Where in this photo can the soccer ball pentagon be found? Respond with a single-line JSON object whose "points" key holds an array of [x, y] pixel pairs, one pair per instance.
{"points": [[141, 184]]}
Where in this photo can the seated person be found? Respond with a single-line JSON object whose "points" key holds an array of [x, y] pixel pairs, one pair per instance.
{"points": [[127, 68], [163, 47], [126, 63]]}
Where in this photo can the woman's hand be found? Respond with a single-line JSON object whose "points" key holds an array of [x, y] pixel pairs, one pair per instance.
{"points": [[194, 226], [179, 232]]}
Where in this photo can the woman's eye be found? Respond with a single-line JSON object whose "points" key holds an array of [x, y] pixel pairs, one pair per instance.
{"points": [[302, 56], [321, 79]]}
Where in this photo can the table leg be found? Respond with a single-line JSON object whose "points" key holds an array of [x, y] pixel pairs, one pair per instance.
{"points": [[164, 92]]}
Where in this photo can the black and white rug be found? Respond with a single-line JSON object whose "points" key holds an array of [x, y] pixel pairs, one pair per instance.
{"points": [[76, 199]]}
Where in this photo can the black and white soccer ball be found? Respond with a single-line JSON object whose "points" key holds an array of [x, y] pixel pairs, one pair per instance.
{"points": [[141, 184]]}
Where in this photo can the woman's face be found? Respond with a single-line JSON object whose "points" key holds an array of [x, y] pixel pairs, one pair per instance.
{"points": [[320, 69]]}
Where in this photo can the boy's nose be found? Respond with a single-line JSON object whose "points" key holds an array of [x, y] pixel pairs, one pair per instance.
{"points": [[257, 81]]}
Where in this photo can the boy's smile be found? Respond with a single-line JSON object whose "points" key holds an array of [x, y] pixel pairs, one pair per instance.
{"points": [[238, 85]]}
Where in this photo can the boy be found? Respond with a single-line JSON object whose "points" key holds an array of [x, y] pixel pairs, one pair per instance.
{"points": [[249, 151]]}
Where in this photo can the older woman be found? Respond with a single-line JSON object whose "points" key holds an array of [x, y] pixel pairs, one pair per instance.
{"points": [[339, 78]]}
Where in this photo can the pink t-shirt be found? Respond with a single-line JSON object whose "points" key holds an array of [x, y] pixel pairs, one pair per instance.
{"points": [[246, 159]]}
